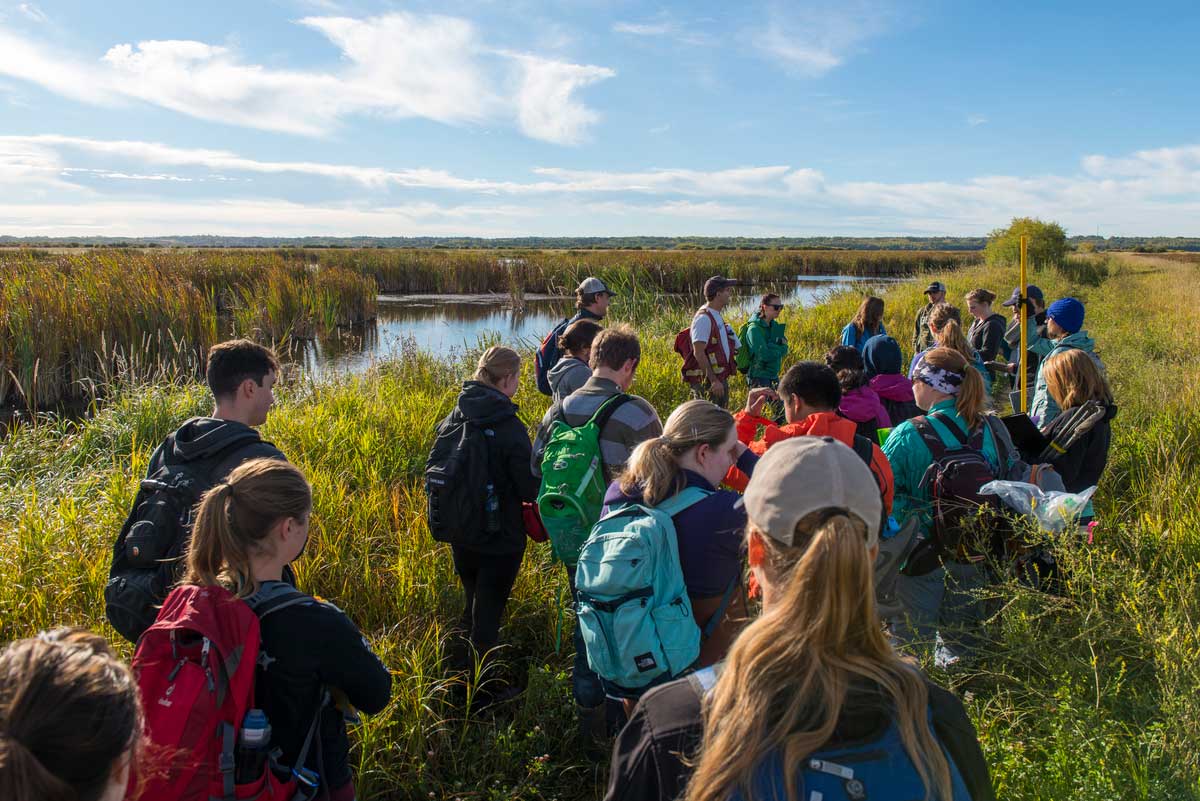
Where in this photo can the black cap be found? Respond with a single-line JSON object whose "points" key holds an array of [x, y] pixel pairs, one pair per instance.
{"points": [[715, 284], [935, 286], [1031, 291]]}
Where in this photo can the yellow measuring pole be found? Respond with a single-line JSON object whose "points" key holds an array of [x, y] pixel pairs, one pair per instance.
{"points": [[1024, 318]]}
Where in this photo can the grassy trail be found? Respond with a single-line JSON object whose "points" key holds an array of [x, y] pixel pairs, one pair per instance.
{"points": [[1093, 696]]}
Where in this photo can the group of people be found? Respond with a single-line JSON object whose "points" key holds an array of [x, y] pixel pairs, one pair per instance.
{"points": [[819, 511]]}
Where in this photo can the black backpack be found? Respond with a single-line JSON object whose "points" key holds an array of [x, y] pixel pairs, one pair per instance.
{"points": [[967, 526], [148, 554], [457, 476]]}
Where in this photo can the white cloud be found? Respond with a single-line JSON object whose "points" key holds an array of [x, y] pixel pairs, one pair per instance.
{"points": [[975, 120], [546, 106], [1151, 192], [644, 28], [811, 38], [33, 12], [398, 65]]}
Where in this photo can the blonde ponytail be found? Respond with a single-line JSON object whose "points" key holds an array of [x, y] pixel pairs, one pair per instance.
{"points": [[653, 468], [235, 517], [788, 675], [496, 364]]}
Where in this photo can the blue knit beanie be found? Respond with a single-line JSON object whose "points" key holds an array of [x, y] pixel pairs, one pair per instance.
{"points": [[1068, 313], [881, 355]]}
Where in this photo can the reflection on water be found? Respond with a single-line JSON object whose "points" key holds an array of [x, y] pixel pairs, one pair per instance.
{"points": [[444, 324]]}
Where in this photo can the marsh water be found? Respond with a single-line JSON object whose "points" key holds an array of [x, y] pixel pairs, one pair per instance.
{"points": [[446, 324]]}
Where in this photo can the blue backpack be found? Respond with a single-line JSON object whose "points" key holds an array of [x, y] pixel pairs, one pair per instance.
{"points": [[877, 769], [632, 602]]}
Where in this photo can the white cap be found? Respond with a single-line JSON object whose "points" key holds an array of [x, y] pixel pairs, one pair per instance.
{"points": [[806, 474], [592, 284]]}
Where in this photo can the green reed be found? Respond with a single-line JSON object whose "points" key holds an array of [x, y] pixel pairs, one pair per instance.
{"points": [[1095, 695]]}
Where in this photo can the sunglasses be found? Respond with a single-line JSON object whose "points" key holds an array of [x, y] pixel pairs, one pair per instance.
{"points": [[775, 306]]}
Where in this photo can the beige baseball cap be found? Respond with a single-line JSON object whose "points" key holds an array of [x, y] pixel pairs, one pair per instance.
{"points": [[805, 474]]}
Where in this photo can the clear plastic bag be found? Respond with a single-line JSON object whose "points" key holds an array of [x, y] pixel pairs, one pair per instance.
{"points": [[1054, 511]]}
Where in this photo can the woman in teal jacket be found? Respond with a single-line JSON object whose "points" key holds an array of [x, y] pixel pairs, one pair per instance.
{"points": [[1064, 324], [941, 602], [766, 343]]}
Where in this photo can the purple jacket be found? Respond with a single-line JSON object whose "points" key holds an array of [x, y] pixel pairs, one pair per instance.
{"points": [[710, 532], [862, 405]]}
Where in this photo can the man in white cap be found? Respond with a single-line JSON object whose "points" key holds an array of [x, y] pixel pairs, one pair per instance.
{"points": [[922, 336], [591, 303]]}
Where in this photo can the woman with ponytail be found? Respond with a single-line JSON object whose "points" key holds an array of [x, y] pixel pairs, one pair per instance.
{"points": [[698, 446], [248, 529], [940, 598], [813, 674], [945, 322], [487, 562], [70, 719]]}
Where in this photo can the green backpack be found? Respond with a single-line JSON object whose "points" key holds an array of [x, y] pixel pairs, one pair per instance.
{"points": [[742, 357], [573, 485]]}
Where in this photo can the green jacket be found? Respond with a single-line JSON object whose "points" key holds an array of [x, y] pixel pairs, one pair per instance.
{"points": [[922, 336], [768, 345], [1043, 409], [910, 458]]}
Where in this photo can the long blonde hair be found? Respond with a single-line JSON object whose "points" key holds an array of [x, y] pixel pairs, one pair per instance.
{"points": [[653, 468], [235, 517], [496, 364], [971, 400], [946, 321], [788, 674], [1073, 378]]}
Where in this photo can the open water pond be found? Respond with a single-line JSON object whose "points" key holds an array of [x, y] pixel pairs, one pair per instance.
{"points": [[447, 324]]}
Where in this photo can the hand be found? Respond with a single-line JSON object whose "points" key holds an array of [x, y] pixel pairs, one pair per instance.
{"points": [[756, 399], [717, 388], [739, 449]]}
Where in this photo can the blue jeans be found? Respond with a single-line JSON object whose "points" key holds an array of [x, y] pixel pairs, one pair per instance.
{"points": [[942, 605], [585, 684]]}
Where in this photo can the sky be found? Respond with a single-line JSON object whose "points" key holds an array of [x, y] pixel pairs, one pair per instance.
{"points": [[590, 118]]}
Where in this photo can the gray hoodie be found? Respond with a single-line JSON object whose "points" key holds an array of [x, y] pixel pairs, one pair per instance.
{"points": [[567, 376]]}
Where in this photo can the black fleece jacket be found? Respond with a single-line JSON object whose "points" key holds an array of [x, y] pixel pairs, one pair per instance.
{"points": [[509, 456], [1083, 463]]}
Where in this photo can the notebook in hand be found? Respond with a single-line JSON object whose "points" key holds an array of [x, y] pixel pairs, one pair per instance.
{"points": [[1025, 434]]}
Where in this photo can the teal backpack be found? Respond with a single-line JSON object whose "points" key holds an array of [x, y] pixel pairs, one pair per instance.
{"points": [[573, 485], [631, 599]]}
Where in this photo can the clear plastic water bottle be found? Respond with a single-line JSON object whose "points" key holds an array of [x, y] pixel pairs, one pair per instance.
{"points": [[254, 744], [492, 508]]}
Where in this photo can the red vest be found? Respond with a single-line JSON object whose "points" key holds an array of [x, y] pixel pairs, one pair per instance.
{"points": [[722, 365]]}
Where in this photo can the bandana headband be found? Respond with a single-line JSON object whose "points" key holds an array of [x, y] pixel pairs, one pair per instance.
{"points": [[942, 380]]}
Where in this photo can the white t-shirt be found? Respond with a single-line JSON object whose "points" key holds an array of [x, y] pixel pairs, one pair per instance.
{"points": [[702, 328]]}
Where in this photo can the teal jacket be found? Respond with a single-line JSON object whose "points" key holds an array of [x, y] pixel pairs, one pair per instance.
{"points": [[1043, 409], [767, 345], [910, 458]]}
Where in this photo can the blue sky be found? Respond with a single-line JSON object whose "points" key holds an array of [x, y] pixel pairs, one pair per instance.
{"points": [[857, 118]]}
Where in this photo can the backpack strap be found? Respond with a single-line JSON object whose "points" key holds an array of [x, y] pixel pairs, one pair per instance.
{"points": [[865, 449], [690, 496], [963, 440], [715, 620], [306, 788], [277, 596], [607, 409], [930, 436]]}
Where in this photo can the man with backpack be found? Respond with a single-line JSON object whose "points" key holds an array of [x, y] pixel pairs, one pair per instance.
{"points": [[582, 444], [709, 346], [591, 303], [149, 552], [922, 336]]}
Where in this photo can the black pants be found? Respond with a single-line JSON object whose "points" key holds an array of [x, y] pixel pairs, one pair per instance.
{"points": [[487, 580]]}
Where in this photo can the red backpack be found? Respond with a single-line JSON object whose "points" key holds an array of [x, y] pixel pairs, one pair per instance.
{"points": [[195, 668]]}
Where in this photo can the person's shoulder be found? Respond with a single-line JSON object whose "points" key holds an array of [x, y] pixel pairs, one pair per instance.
{"points": [[672, 708], [636, 412]]}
